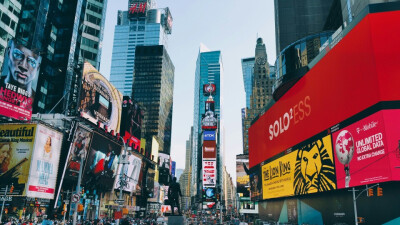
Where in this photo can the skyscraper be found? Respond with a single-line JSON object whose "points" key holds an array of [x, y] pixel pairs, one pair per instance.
{"points": [[139, 26], [208, 70], [153, 88], [258, 85], [248, 73]]}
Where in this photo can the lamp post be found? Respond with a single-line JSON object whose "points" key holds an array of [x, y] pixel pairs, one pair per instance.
{"points": [[122, 177]]}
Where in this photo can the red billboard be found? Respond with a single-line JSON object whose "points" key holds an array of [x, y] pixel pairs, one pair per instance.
{"points": [[335, 89], [209, 150], [363, 152], [209, 89]]}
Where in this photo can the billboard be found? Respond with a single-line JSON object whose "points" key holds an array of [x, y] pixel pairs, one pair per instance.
{"points": [[131, 128], [209, 121], [168, 20], [100, 101], [131, 172], [44, 163], [209, 135], [101, 163], [164, 161], [209, 195], [242, 176], [79, 148], [209, 150], [307, 170], [256, 183], [18, 80], [16, 147], [173, 168], [209, 89], [311, 105], [209, 173], [363, 151]]}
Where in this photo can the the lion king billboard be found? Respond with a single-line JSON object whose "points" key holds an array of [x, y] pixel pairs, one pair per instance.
{"points": [[308, 169]]}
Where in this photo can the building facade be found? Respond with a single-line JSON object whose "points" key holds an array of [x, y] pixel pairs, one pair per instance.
{"points": [[133, 29], [153, 88], [209, 69], [10, 11]]}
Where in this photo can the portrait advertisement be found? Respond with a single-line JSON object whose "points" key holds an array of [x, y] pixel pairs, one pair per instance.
{"points": [[101, 163], [131, 129], [16, 147], [131, 172], [44, 165], [18, 80]]}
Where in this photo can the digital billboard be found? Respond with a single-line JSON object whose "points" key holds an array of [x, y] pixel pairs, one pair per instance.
{"points": [[131, 128], [168, 20], [362, 152], [209, 121], [312, 104], [242, 176], [164, 161], [18, 80], [209, 135], [209, 89], [131, 172], [79, 148], [101, 163], [100, 101], [307, 170], [209, 173], [209, 150], [16, 147], [138, 8], [44, 163], [209, 195]]}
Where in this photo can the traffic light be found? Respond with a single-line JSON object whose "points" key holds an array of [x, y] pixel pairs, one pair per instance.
{"points": [[379, 191], [370, 192], [12, 189], [361, 219], [65, 208], [82, 191]]}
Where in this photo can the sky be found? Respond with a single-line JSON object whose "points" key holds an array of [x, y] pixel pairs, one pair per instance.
{"points": [[231, 26]]}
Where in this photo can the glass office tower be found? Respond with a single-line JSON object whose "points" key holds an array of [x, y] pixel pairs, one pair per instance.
{"points": [[209, 69], [153, 88], [145, 29]]}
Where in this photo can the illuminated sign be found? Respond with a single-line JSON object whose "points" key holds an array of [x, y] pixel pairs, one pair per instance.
{"points": [[242, 175], [209, 135], [209, 89], [209, 173], [209, 150], [309, 169], [138, 9], [209, 121]]}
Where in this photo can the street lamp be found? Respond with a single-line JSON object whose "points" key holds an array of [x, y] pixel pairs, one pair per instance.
{"points": [[122, 178]]}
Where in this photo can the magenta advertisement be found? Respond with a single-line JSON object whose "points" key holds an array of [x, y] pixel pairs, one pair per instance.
{"points": [[362, 152]]}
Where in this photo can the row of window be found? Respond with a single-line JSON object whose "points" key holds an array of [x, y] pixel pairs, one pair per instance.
{"points": [[95, 8], [90, 43], [93, 19], [92, 31], [8, 21]]}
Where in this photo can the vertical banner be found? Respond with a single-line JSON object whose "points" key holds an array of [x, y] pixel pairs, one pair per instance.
{"points": [[209, 173], [132, 114], [16, 147], [209, 150], [256, 183], [18, 81], [44, 163]]}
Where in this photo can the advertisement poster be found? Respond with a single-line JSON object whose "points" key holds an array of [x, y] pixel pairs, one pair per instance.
{"points": [[16, 147], [131, 172], [361, 153], [209, 195], [18, 80], [209, 135], [242, 176], [151, 173], [131, 129], [44, 163], [100, 101], [209, 173], [101, 163], [79, 149], [209, 150], [164, 161], [309, 169], [256, 183]]}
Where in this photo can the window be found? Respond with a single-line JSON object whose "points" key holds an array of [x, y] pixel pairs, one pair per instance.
{"points": [[5, 19]]}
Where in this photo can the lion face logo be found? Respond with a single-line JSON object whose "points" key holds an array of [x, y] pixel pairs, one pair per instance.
{"points": [[314, 170]]}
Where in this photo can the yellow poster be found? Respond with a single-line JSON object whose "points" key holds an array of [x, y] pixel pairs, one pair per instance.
{"points": [[16, 147], [309, 169]]}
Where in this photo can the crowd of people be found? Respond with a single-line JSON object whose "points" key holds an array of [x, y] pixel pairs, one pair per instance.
{"points": [[126, 221]]}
